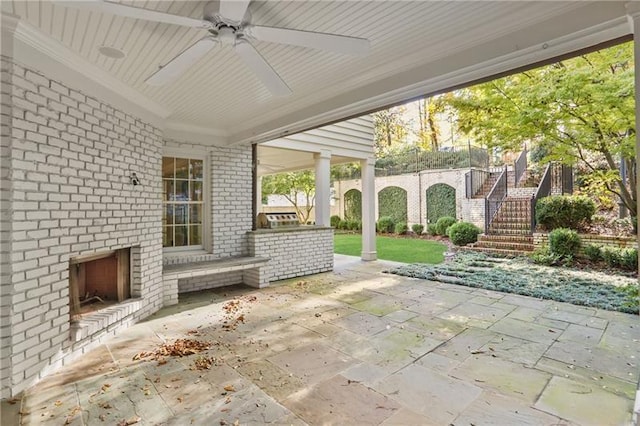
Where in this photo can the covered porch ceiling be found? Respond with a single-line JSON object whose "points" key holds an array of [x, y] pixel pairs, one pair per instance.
{"points": [[417, 48], [274, 160]]}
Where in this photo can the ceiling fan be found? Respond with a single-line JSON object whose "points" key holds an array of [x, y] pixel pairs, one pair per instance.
{"points": [[228, 23]]}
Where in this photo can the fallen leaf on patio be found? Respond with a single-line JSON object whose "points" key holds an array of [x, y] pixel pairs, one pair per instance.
{"points": [[105, 387], [102, 417], [105, 405], [162, 361], [477, 351], [167, 386], [228, 400], [13, 401], [222, 422], [58, 403], [180, 399], [131, 421], [229, 388], [551, 331], [318, 314], [236, 423]]}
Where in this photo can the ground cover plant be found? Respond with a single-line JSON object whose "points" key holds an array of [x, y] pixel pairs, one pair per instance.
{"points": [[408, 250], [519, 276]]}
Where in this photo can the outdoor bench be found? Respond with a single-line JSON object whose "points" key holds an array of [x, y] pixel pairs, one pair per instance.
{"points": [[253, 273]]}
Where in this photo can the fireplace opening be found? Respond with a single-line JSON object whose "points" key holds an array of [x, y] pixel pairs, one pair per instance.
{"points": [[98, 281]]}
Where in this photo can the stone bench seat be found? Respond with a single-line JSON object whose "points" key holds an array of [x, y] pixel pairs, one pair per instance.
{"points": [[253, 274]]}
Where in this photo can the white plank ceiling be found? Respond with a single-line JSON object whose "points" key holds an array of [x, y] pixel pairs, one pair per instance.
{"points": [[219, 92]]}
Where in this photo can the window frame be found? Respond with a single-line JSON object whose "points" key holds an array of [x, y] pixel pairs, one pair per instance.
{"points": [[193, 154]]}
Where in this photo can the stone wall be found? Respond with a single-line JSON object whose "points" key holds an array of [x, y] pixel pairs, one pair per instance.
{"points": [[293, 252], [416, 185], [71, 159]]}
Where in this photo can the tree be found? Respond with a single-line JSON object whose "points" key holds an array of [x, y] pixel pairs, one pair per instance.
{"points": [[579, 111], [428, 131], [293, 186], [390, 127]]}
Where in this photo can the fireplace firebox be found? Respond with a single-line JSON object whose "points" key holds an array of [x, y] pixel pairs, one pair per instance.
{"points": [[98, 280]]}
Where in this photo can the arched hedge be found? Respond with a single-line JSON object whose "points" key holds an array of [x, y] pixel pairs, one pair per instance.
{"points": [[353, 205], [441, 201], [392, 202]]}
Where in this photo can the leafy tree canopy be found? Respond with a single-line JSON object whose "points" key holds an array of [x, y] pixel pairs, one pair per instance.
{"points": [[579, 112], [293, 186]]}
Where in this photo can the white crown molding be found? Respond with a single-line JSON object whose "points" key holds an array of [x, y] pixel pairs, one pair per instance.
{"points": [[56, 51]]}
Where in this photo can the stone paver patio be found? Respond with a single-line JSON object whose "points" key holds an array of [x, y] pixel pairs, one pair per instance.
{"points": [[355, 346]]}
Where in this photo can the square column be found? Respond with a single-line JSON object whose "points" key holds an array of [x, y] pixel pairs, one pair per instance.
{"points": [[368, 209], [323, 193]]}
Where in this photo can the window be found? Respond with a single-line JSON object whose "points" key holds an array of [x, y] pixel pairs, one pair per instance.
{"points": [[182, 213]]}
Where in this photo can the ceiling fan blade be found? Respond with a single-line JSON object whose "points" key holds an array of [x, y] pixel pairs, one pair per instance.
{"points": [[182, 62], [262, 69], [134, 12], [234, 10], [322, 41]]}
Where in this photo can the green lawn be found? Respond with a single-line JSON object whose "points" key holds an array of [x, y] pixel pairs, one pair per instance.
{"points": [[408, 250]]}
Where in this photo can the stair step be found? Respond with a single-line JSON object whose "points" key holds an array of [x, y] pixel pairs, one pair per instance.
{"points": [[500, 252], [501, 231], [505, 245], [527, 239]]}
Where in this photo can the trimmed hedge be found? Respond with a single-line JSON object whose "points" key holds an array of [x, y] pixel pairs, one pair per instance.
{"points": [[353, 205], [564, 243], [441, 201], [443, 224], [417, 228], [562, 211], [401, 228], [392, 202], [335, 221], [463, 233], [386, 225]]}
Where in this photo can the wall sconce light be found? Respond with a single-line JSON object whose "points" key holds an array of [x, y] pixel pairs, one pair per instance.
{"points": [[134, 179]]}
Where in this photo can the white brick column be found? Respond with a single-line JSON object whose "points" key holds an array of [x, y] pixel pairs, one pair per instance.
{"points": [[323, 190], [368, 209], [9, 24]]}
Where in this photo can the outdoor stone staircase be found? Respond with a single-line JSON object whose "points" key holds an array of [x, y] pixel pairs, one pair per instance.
{"points": [[510, 231], [505, 245]]}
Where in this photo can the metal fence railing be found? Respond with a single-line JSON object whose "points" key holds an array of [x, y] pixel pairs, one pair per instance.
{"points": [[474, 181], [520, 166], [543, 190], [494, 199]]}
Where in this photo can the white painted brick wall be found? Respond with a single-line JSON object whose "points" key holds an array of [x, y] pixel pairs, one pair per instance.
{"points": [[294, 253], [209, 281], [71, 158], [231, 200]]}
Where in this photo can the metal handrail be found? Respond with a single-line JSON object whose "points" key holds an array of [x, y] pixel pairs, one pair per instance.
{"points": [[474, 181], [494, 199], [520, 166], [543, 190]]}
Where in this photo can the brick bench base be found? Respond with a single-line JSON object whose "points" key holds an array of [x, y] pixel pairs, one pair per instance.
{"points": [[251, 267]]}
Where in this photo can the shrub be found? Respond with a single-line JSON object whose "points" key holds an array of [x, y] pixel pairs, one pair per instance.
{"points": [[417, 228], [432, 229], [593, 252], [401, 228], [463, 233], [629, 259], [543, 256], [386, 224], [343, 224], [612, 257], [335, 221], [354, 225], [564, 242], [443, 224], [561, 211]]}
